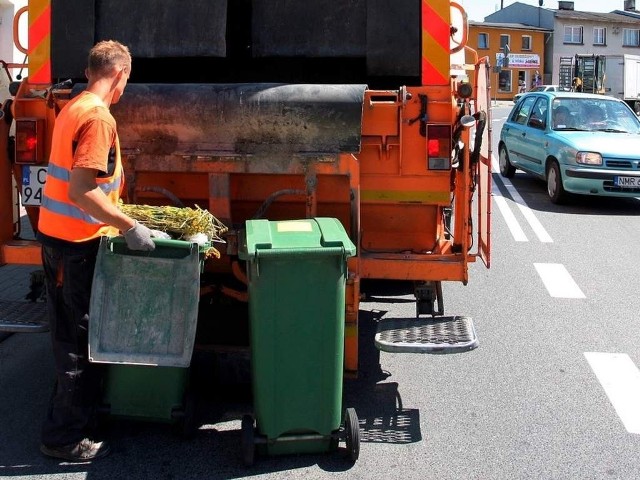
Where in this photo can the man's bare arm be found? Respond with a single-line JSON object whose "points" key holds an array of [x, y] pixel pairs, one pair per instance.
{"points": [[85, 193]]}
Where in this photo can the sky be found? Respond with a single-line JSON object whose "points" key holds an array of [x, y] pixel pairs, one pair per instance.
{"points": [[478, 9]]}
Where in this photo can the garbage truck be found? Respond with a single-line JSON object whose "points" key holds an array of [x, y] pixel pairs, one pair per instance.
{"points": [[372, 113]]}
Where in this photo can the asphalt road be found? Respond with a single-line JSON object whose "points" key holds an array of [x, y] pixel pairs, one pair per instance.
{"points": [[552, 392]]}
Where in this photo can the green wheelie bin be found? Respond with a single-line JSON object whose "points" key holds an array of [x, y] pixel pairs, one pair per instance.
{"points": [[144, 311], [297, 271]]}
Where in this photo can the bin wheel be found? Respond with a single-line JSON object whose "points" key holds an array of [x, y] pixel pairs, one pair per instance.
{"points": [[248, 440], [184, 417], [352, 431], [189, 425]]}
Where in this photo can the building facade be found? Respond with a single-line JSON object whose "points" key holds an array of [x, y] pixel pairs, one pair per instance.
{"points": [[575, 32], [578, 33], [525, 48]]}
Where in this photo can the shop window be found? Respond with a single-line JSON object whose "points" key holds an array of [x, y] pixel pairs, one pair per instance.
{"points": [[504, 81]]}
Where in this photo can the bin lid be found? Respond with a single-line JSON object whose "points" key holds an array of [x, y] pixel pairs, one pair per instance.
{"points": [[294, 235]]}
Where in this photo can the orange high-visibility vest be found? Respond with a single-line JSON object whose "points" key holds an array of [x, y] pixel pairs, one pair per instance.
{"points": [[59, 217]]}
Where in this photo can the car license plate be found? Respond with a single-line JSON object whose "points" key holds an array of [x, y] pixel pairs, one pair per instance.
{"points": [[627, 182], [33, 178]]}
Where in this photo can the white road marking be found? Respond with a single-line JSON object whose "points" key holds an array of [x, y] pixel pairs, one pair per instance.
{"points": [[536, 226], [620, 379], [528, 214], [512, 223], [495, 166], [509, 217], [558, 280]]}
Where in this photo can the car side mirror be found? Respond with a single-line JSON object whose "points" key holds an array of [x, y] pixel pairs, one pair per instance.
{"points": [[536, 123]]}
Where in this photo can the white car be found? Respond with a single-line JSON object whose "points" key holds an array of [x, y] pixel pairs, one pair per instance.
{"points": [[540, 88]]}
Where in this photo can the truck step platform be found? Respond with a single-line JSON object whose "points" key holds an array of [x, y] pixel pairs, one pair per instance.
{"points": [[451, 334], [23, 317]]}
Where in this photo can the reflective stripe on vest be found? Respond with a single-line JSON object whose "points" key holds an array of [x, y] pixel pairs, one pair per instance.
{"points": [[68, 210], [64, 175]]}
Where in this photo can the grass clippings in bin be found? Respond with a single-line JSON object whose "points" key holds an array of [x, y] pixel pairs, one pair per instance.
{"points": [[182, 223]]}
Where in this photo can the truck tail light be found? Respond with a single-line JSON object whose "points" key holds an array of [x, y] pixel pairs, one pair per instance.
{"points": [[439, 147], [29, 141]]}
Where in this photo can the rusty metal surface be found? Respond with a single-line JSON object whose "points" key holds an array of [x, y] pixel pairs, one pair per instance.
{"points": [[157, 120]]}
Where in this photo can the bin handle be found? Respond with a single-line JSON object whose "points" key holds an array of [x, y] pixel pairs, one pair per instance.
{"points": [[316, 252], [160, 242], [299, 253]]}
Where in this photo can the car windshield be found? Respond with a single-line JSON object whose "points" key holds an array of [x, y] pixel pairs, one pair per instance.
{"points": [[589, 114]]}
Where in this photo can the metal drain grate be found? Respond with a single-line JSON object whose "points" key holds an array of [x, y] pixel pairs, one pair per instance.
{"points": [[434, 335], [23, 317]]}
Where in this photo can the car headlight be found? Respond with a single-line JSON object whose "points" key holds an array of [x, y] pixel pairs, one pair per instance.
{"points": [[589, 158]]}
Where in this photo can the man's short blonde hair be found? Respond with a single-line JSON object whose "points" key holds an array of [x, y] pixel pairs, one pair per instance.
{"points": [[107, 55]]}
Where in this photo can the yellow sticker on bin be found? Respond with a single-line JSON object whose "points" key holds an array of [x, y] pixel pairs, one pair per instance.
{"points": [[294, 227]]}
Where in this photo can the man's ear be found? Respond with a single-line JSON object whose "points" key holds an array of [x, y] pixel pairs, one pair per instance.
{"points": [[121, 71], [86, 73]]}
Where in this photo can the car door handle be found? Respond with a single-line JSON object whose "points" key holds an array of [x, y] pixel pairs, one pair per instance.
{"points": [[524, 134]]}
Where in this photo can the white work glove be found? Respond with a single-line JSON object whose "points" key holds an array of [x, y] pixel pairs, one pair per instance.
{"points": [[139, 237]]}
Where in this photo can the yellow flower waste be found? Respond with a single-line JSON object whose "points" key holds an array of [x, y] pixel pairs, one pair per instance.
{"points": [[181, 223]]}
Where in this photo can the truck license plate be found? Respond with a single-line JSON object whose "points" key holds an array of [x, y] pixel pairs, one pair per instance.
{"points": [[33, 178], [627, 182]]}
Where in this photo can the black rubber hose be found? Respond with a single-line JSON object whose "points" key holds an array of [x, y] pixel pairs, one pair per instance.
{"points": [[271, 198], [481, 118]]}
